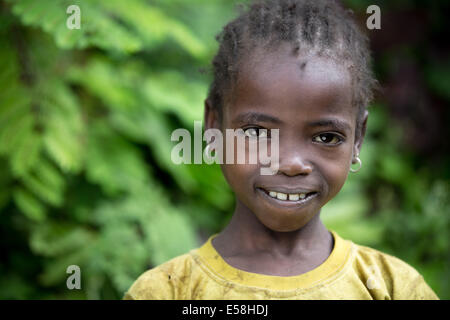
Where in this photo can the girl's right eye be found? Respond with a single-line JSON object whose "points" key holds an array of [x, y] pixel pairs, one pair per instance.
{"points": [[254, 132]]}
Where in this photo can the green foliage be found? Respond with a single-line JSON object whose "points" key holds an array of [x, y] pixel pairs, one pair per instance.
{"points": [[86, 177], [85, 124]]}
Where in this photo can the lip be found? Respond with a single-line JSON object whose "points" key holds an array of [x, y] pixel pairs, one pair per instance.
{"points": [[287, 189], [288, 204]]}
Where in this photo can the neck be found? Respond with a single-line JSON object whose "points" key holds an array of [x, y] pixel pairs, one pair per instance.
{"points": [[245, 234]]}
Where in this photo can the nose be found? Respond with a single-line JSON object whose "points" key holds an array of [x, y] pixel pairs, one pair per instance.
{"points": [[293, 162]]}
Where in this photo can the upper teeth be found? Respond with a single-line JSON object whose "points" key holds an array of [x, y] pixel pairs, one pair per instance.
{"points": [[285, 196]]}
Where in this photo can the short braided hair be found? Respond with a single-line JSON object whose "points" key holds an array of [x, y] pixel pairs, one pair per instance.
{"points": [[321, 27]]}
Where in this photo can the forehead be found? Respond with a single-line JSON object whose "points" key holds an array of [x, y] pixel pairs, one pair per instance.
{"points": [[292, 87]]}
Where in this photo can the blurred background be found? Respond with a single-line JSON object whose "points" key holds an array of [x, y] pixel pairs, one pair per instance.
{"points": [[85, 122]]}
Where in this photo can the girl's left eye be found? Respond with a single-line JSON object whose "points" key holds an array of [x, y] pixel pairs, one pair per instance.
{"points": [[255, 132], [328, 138]]}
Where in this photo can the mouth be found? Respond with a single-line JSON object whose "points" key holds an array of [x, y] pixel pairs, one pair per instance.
{"points": [[289, 198]]}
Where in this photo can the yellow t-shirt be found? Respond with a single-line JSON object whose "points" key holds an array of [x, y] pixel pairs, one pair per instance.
{"points": [[350, 272]]}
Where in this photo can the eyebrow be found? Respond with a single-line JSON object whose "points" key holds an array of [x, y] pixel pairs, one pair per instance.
{"points": [[256, 117], [336, 123]]}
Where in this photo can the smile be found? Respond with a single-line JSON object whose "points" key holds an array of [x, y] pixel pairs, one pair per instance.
{"points": [[294, 198]]}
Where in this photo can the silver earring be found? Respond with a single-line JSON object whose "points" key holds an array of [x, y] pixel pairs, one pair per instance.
{"points": [[360, 165]]}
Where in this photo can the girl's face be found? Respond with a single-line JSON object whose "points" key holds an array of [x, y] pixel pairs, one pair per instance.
{"points": [[309, 101]]}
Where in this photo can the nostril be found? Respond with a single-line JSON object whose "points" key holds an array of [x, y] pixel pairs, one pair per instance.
{"points": [[295, 167]]}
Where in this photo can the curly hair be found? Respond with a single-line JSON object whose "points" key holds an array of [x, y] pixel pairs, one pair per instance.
{"points": [[320, 27]]}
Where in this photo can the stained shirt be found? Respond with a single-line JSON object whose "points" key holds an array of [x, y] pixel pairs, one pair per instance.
{"points": [[350, 272]]}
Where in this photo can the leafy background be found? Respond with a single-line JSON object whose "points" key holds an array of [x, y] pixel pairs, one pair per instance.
{"points": [[85, 123]]}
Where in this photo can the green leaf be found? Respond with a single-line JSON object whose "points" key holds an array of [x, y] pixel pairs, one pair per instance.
{"points": [[107, 81], [153, 25], [50, 194], [170, 234], [56, 239], [171, 91], [64, 133], [112, 162], [21, 142], [98, 27], [29, 205]]}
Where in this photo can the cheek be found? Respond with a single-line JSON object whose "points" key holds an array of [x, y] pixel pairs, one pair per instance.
{"points": [[238, 173], [239, 176], [335, 172]]}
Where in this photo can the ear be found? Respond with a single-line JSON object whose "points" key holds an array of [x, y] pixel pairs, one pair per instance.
{"points": [[360, 137], [211, 116]]}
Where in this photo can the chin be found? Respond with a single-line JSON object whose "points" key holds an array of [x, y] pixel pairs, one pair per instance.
{"points": [[283, 227]]}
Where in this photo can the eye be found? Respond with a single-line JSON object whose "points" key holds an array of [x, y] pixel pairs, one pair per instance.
{"points": [[328, 138], [255, 132]]}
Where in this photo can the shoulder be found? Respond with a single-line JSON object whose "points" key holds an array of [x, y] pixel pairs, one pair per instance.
{"points": [[366, 256], [164, 282], [399, 278]]}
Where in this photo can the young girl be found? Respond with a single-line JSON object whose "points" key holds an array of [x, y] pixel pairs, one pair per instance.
{"points": [[301, 67]]}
